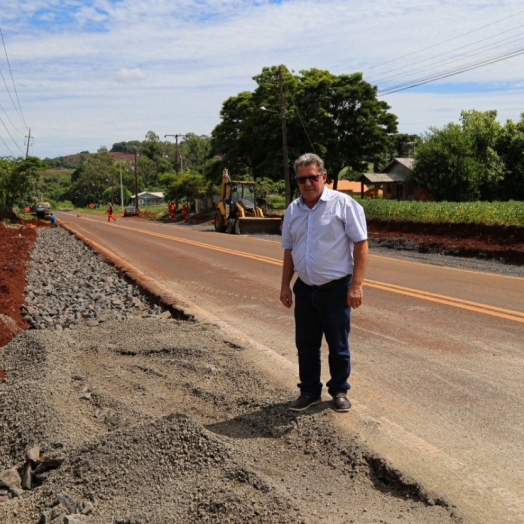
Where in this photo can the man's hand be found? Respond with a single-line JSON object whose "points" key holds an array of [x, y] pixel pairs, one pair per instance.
{"points": [[286, 296], [355, 295], [288, 268], [355, 291]]}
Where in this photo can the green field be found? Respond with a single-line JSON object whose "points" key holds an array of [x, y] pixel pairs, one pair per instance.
{"points": [[491, 213]]}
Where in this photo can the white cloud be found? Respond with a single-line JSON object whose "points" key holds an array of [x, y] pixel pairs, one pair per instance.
{"points": [[130, 75], [87, 67]]}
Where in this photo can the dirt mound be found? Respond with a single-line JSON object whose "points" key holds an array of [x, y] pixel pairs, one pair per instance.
{"points": [[463, 240], [16, 240], [163, 421]]}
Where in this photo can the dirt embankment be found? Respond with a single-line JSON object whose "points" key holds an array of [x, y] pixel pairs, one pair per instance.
{"points": [[504, 243]]}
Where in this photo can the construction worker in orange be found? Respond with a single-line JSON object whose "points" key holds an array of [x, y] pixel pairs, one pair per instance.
{"points": [[172, 210], [110, 212]]}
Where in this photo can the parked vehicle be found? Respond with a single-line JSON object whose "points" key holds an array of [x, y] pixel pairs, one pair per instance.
{"points": [[131, 211], [43, 210]]}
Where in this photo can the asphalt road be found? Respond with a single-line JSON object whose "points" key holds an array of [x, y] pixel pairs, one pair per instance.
{"points": [[437, 352]]}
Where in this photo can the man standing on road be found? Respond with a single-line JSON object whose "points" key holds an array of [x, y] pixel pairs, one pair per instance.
{"points": [[324, 237]]}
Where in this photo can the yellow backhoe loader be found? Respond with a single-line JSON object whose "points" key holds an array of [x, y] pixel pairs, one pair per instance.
{"points": [[237, 212]]}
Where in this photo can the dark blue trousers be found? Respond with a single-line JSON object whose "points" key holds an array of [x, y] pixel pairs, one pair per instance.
{"points": [[322, 312]]}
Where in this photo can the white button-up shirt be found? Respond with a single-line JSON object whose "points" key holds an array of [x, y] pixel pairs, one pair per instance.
{"points": [[321, 239]]}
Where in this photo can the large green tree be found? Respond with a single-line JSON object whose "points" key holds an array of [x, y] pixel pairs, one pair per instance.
{"points": [[91, 179], [510, 147], [483, 130], [460, 162], [189, 185], [338, 117], [193, 153], [18, 181], [444, 165]]}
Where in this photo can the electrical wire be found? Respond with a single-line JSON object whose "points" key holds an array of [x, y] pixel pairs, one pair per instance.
{"points": [[21, 114], [7, 116], [14, 141], [299, 117], [445, 41], [439, 76], [6, 146], [448, 61], [492, 45]]}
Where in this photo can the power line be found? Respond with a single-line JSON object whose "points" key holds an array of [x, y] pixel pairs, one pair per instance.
{"points": [[300, 118], [16, 144], [7, 116], [469, 54], [439, 76], [444, 41], [379, 79], [6, 146], [21, 114]]}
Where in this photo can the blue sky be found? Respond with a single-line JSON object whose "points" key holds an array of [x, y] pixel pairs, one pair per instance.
{"points": [[92, 73]]}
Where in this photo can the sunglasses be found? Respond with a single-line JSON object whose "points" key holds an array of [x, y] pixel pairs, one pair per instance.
{"points": [[312, 178]]}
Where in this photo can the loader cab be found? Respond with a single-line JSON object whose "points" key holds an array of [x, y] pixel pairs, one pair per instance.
{"points": [[243, 194]]}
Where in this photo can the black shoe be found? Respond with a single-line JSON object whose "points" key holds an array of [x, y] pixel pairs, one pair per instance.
{"points": [[304, 402], [342, 403]]}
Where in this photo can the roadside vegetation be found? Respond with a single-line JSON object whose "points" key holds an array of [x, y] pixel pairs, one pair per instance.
{"points": [[472, 172], [489, 213]]}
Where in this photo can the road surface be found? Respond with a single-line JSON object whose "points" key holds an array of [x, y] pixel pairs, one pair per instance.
{"points": [[437, 353]]}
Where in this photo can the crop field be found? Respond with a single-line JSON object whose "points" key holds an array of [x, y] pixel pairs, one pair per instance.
{"points": [[490, 213]]}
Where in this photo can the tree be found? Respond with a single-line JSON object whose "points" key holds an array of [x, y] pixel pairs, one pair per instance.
{"points": [[338, 117], [483, 130], [126, 147], [18, 181], [444, 164], [403, 146], [147, 169], [194, 151], [91, 179], [459, 162], [188, 185], [510, 148], [152, 147]]}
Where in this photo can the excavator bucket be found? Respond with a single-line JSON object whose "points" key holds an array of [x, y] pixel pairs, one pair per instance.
{"points": [[254, 225]]}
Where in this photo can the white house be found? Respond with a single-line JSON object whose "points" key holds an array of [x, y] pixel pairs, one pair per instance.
{"points": [[147, 198]]}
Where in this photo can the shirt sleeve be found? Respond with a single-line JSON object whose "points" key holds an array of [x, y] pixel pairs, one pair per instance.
{"points": [[286, 241], [355, 219]]}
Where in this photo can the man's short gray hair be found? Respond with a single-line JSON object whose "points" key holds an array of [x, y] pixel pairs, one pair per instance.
{"points": [[308, 159]]}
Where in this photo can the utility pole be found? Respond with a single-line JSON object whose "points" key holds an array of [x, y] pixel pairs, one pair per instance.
{"points": [[136, 184], [176, 149], [121, 186], [112, 187], [284, 138], [28, 142]]}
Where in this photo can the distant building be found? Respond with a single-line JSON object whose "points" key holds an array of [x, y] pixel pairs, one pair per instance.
{"points": [[352, 187], [393, 181], [147, 198]]}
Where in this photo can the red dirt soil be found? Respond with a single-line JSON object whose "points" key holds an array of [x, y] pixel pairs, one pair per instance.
{"points": [[16, 242], [466, 240]]}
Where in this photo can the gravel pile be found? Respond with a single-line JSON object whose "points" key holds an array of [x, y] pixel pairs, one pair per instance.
{"points": [[68, 284], [156, 420]]}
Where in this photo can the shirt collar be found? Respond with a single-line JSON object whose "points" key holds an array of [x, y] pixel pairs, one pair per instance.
{"points": [[326, 195]]}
